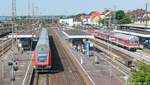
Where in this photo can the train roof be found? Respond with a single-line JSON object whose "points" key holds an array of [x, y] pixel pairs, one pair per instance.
{"points": [[43, 38], [116, 34], [124, 36]]}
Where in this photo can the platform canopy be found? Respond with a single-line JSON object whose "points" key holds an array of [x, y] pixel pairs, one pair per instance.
{"points": [[142, 26], [21, 36], [134, 33], [77, 34]]}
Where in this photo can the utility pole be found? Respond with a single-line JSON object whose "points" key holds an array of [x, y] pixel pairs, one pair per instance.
{"points": [[13, 17], [114, 17], [28, 8], [29, 17], [33, 13], [14, 20], [13, 8], [13, 26], [146, 19]]}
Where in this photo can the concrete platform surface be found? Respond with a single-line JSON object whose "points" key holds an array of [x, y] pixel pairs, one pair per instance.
{"points": [[22, 75]]}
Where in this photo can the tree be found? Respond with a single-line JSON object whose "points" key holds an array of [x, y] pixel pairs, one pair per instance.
{"points": [[142, 76], [146, 17], [126, 20], [119, 15], [122, 18], [78, 16]]}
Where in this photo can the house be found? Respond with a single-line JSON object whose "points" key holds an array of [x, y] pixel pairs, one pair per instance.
{"points": [[94, 17], [68, 21]]}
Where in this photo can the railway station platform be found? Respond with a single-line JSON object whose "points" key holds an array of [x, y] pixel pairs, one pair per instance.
{"points": [[22, 75], [137, 26], [98, 73], [25, 33], [21, 36], [77, 34], [26, 37], [79, 40]]}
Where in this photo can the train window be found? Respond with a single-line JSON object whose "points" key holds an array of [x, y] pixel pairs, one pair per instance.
{"points": [[42, 59], [136, 41], [130, 41], [42, 49]]}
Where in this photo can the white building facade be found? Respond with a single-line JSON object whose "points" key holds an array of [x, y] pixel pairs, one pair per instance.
{"points": [[68, 21]]}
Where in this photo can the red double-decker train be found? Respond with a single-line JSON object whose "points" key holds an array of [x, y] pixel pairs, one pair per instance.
{"points": [[42, 59]]}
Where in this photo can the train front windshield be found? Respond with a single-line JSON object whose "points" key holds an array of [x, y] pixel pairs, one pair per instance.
{"points": [[134, 40], [42, 52], [42, 59]]}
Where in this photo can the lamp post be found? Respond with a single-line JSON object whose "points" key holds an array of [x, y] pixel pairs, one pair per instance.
{"points": [[81, 60], [96, 57], [2, 69], [110, 75], [126, 79], [87, 48], [110, 54], [14, 68]]}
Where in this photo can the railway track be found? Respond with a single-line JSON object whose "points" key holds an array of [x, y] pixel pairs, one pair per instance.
{"points": [[71, 73], [120, 65], [41, 79], [63, 71], [5, 45], [123, 57]]}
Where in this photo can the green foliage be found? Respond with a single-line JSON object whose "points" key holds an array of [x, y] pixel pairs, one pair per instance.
{"points": [[102, 21], [78, 16], [23, 21], [122, 18], [146, 18], [125, 20], [81, 14], [120, 15], [142, 76]]}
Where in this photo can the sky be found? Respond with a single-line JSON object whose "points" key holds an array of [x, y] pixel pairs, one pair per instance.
{"points": [[68, 7]]}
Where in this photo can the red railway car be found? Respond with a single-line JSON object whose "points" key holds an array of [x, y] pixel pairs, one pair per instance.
{"points": [[127, 41], [42, 59]]}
